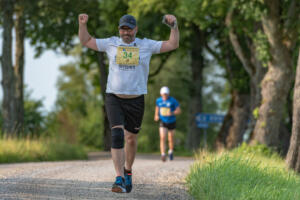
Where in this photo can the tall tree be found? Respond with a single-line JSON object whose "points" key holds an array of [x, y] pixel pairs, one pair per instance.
{"points": [[78, 108], [19, 64], [282, 36], [293, 156], [197, 43], [247, 53], [102, 81], [236, 120], [8, 78]]}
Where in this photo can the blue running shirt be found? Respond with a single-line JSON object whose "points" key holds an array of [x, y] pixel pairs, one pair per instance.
{"points": [[165, 108]]}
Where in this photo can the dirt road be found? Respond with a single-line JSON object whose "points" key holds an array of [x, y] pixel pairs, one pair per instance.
{"points": [[92, 179]]}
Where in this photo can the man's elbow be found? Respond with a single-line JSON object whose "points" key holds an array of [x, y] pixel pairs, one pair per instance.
{"points": [[83, 43], [175, 45]]}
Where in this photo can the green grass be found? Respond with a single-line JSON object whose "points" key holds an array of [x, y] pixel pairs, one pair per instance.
{"points": [[25, 150], [242, 174]]}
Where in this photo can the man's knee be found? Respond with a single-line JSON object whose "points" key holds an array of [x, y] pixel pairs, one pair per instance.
{"points": [[131, 140], [117, 138], [162, 137]]}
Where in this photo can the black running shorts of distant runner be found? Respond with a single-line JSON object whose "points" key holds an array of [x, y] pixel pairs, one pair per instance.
{"points": [[169, 126]]}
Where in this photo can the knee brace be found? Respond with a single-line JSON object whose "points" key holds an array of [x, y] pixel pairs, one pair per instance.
{"points": [[117, 138]]}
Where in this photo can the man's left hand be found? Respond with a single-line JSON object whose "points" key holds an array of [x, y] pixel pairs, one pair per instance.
{"points": [[170, 20]]}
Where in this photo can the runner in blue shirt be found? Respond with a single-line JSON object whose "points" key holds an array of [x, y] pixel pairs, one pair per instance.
{"points": [[166, 109]]}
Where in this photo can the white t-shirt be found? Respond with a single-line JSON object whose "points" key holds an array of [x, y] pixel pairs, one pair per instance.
{"points": [[130, 79]]}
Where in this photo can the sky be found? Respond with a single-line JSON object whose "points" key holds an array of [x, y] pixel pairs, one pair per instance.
{"points": [[40, 74]]}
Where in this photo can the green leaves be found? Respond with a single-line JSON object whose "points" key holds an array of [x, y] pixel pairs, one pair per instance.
{"points": [[262, 47]]}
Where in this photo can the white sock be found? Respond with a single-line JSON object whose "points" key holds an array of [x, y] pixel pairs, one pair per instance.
{"points": [[170, 151]]}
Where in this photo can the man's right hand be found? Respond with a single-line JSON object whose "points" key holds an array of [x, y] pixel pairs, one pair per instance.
{"points": [[156, 118], [83, 18]]}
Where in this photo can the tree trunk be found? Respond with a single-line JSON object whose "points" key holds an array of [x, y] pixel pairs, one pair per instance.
{"points": [[240, 114], [251, 64], [8, 84], [293, 156], [224, 131], [235, 122], [19, 66], [255, 88], [277, 81], [103, 80], [197, 43]]}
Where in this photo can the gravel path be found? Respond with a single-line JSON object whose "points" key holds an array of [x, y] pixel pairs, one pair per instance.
{"points": [[92, 179]]}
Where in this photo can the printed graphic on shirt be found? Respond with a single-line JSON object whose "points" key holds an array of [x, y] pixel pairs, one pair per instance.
{"points": [[164, 111], [126, 67], [127, 56]]}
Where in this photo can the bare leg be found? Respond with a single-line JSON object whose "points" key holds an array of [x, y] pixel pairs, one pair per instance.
{"points": [[130, 149], [162, 133], [171, 139], [118, 157]]}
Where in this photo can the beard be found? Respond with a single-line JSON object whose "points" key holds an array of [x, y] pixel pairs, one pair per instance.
{"points": [[128, 38]]}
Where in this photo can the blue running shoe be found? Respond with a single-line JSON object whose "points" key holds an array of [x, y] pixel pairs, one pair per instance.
{"points": [[171, 157], [119, 185], [128, 180]]}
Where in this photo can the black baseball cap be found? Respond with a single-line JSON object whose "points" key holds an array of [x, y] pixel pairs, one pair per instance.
{"points": [[127, 20]]}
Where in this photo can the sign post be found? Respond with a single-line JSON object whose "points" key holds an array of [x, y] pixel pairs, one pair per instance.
{"points": [[204, 119]]}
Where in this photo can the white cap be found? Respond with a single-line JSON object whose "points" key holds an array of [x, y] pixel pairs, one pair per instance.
{"points": [[164, 90]]}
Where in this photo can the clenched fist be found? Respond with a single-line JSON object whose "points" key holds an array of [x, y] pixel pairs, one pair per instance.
{"points": [[83, 18], [170, 20]]}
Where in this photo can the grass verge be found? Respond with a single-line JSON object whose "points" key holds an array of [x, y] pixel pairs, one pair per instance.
{"points": [[242, 174], [25, 150]]}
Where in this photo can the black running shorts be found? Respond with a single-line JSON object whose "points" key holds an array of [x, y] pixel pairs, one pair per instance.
{"points": [[169, 126], [127, 112]]}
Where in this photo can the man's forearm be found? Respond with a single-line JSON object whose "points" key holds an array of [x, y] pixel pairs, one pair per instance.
{"points": [[177, 111], [83, 34], [174, 37]]}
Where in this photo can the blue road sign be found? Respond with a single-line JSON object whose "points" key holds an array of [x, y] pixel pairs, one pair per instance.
{"points": [[202, 125], [204, 119], [209, 118]]}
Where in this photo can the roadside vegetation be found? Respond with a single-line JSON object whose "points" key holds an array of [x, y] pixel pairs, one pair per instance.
{"points": [[29, 150], [245, 173]]}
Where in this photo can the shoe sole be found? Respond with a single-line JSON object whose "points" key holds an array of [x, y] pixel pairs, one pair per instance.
{"points": [[118, 190], [128, 188]]}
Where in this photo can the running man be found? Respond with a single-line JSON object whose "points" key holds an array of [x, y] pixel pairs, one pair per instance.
{"points": [[165, 110], [129, 59]]}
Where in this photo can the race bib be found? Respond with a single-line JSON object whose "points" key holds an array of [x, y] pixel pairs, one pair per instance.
{"points": [[127, 56], [164, 111]]}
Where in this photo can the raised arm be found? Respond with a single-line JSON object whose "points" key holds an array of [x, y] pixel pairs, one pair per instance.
{"points": [[85, 38], [173, 42]]}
